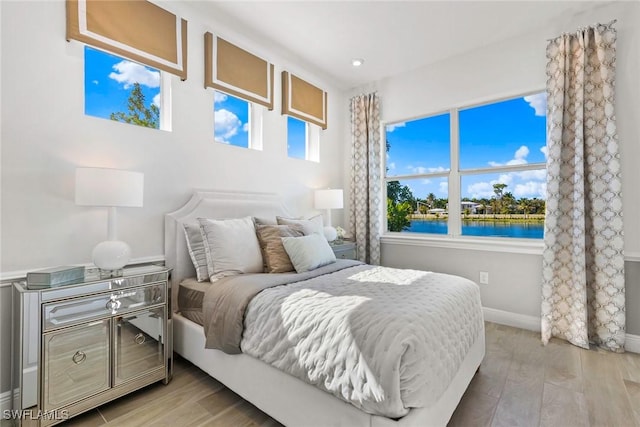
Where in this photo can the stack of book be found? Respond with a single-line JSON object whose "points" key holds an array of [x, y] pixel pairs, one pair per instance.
{"points": [[56, 276]]}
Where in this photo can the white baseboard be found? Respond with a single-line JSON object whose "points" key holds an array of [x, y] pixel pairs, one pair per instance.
{"points": [[508, 318], [5, 401], [532, 323], [632, 343]]}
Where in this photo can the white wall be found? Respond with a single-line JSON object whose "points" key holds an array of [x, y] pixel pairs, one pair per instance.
{"points": [[510, 68], [45, 136]]}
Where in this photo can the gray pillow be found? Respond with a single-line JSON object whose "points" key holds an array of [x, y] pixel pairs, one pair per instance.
{"points": [[195, 245]]}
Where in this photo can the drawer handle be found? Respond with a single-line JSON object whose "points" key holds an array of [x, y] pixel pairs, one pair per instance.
{"points": [[79, 357], [113, 305], [140, 338]]}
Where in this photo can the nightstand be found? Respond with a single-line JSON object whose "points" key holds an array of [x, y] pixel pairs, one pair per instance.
{"points": [[345, 250], [80, 345]]}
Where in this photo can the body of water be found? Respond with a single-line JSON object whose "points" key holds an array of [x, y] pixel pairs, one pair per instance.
{"points": [[482, 228]]}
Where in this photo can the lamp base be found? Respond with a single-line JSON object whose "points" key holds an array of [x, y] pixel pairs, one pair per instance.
{"points": [[330, 233], [110, 256]]}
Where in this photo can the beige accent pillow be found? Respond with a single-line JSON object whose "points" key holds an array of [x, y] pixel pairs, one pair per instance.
{"points": [[315, 224], [270, 237]]}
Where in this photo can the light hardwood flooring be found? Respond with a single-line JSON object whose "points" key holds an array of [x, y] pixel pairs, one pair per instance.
{"points": [[520, 383]]}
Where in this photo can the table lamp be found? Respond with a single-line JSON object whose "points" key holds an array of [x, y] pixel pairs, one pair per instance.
{"points": [[110, 188], [329, 199]]}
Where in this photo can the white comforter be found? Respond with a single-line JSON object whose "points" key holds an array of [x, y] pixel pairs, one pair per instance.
{"points": [[383, 339]]}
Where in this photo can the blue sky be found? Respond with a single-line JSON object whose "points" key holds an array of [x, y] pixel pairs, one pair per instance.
{"points": [[108, 80], [510, 132]]}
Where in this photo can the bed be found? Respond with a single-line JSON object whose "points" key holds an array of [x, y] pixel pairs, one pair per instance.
{"points": [[286, 398]]}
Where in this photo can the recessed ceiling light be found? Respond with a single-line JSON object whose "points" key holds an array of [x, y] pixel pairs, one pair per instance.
{"points": [[356, 62]]}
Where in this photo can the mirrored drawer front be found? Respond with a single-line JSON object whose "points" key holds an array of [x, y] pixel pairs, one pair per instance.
{"points": [[71, 291], [74, 311], [138, 344], [76, 364]]}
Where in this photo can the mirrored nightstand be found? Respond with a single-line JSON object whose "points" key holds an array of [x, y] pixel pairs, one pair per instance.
{"points": [[345, 250]]}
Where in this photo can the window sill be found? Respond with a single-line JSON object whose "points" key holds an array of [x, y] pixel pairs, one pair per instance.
{"points": [[485, 244]]}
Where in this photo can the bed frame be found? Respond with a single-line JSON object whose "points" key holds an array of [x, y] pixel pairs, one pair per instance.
{"points": [[282, 396]]}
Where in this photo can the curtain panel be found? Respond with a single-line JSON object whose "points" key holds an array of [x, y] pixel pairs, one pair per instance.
{"points": [[583, 289], [366, 193]]}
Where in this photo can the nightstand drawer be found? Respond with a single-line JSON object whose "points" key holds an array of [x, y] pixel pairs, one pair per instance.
{"points": [[345, 250], [348, 254], [76, 364], [78, 310]]}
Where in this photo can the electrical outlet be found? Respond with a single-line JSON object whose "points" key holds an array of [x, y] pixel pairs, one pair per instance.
{"points": [[484, 278]]}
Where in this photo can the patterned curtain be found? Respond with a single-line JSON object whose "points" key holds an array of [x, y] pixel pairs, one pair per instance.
{"points": [[366, 193], [583, 289]]}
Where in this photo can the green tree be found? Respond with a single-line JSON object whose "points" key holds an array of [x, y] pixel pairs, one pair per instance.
{"points": [[138, 113], [398, 215]]}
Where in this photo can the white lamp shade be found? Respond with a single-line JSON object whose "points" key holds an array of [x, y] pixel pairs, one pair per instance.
{"points": [[109, 187], [329, 199]]}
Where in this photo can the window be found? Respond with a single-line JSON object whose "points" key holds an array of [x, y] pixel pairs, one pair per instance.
{"points": [[303, 139], [125, 91], [231, 120], [489, 159]]}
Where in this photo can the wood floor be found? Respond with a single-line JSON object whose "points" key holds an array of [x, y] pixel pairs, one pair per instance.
{"points": [[520, 383]]}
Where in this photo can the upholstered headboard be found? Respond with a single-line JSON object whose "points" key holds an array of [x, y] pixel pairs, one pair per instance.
{"points": [[210, 204]]}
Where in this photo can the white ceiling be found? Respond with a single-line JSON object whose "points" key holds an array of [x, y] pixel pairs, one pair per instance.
{"points": [[391, 36]]}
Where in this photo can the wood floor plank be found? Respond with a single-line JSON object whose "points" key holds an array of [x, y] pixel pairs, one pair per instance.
{"points": [[519, 404], [633, 391], [629, 364], [88, 419], [563, 407], [563, 365], [475, 409], [604, 389]]}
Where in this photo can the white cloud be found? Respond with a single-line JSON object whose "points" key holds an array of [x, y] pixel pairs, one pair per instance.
{"points": [[391, 166], [538, 102], [519, 158], [418, 170], [219, 97], [544, 151], [226, 125], [95, 82], [479, 190], [538, 175], [443, 187], [531, 189], [128, 73], [391, 128], [156, 100], [245, 127]]}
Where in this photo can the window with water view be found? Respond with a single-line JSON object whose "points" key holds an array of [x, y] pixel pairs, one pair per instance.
{"points": [[497, 185]]}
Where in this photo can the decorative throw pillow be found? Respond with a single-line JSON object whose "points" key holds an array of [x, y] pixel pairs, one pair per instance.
{"points": [[273, 253], [308, 252], [198, 255], [309, 226], [231, 246]]}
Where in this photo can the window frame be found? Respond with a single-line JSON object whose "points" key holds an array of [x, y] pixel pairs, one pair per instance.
{"points": [[311, 140], [454, 239]]}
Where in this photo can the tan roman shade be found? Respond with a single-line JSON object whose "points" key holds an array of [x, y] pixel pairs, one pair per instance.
{"points": [[237, 72], [303, 100], [138, 30]]}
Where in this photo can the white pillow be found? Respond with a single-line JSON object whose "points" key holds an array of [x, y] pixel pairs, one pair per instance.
{"points": [[195, 245], [308, 252], [312, 225], [231, 246]]}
